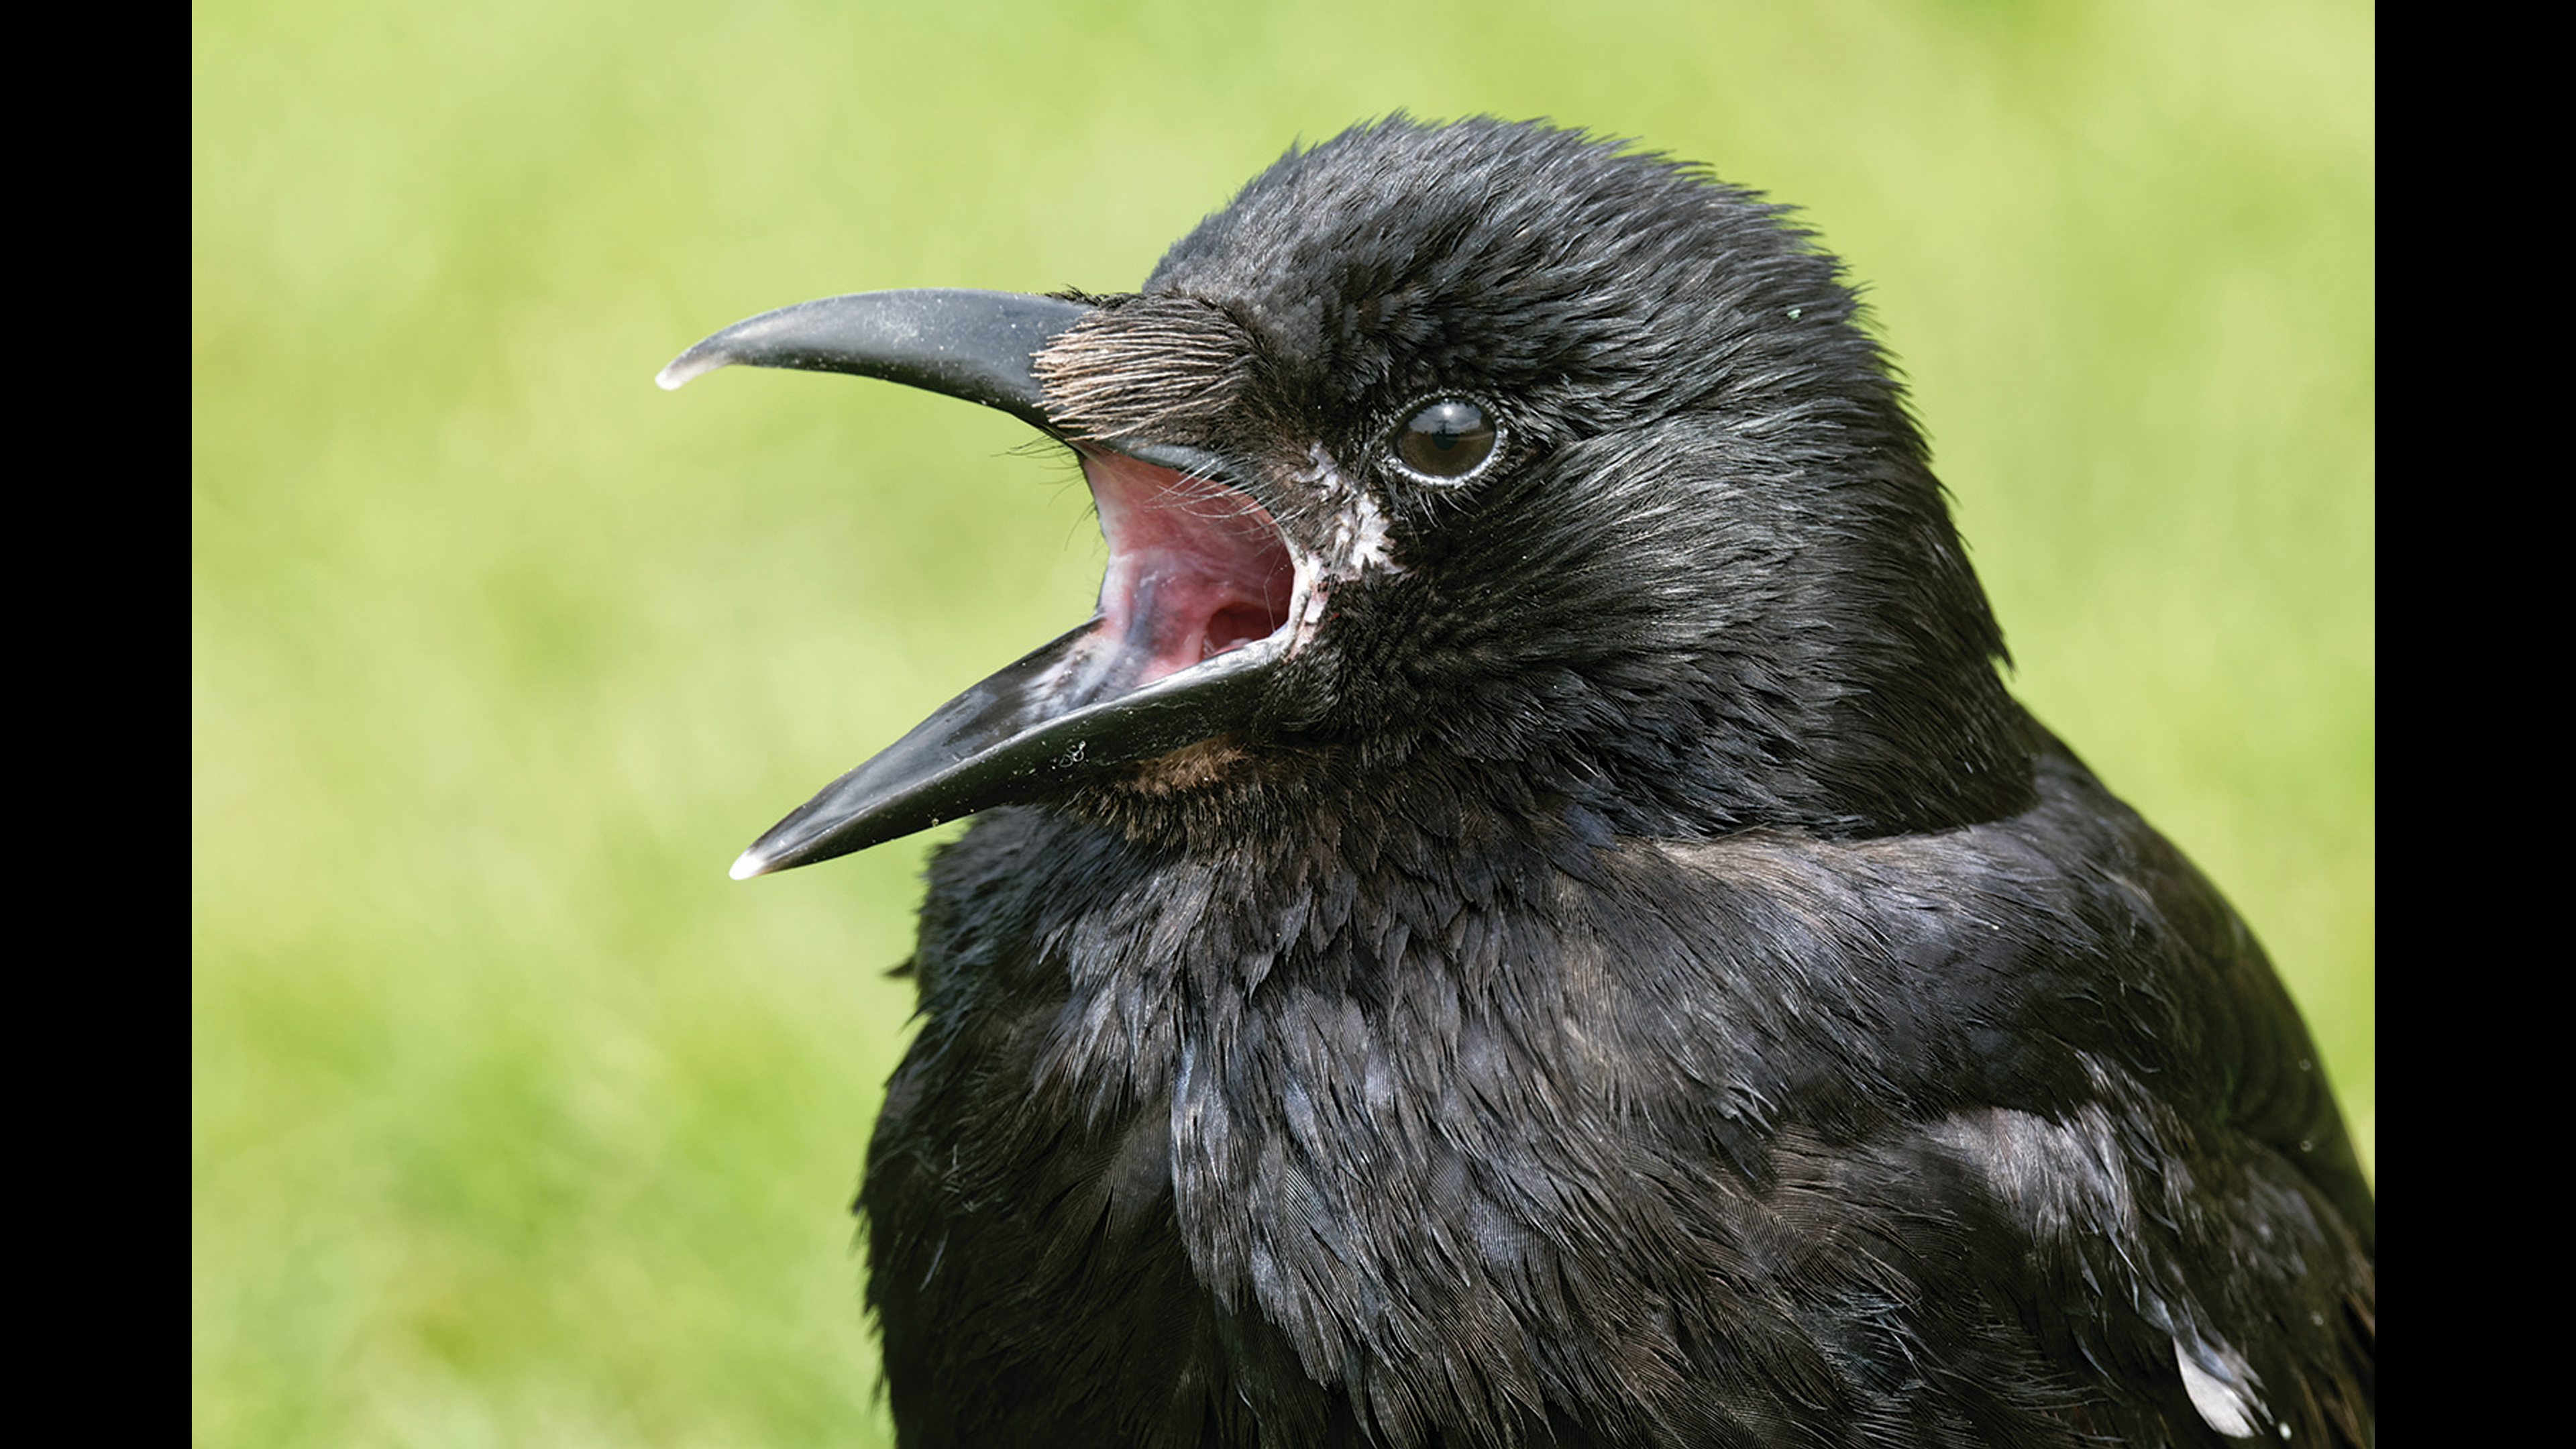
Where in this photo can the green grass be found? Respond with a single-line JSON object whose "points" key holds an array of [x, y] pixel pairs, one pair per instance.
{"points": [[514, 1121]]}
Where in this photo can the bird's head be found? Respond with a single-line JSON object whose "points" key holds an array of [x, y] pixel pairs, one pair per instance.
{"points": [[1485, 450]]}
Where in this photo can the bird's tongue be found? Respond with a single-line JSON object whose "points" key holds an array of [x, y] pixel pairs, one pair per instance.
{"points": [[1195, 568]]}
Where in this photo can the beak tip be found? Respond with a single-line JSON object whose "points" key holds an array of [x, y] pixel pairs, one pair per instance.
{"points": [[751, 863], [686, 366]]}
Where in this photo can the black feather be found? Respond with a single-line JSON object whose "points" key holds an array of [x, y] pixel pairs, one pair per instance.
{"points": [[1633, 975]]}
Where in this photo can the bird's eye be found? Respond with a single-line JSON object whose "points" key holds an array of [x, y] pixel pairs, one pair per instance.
{"points": [[1446, 441]]}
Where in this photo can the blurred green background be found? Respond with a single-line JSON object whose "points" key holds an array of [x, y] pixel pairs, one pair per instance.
{"points": [[515, 1121]]}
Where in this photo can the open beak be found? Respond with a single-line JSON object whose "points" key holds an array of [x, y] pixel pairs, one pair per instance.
{"points": [[1203, 596]]}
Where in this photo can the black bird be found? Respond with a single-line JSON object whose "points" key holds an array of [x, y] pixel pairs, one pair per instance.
{"points": [[1528, 917]]}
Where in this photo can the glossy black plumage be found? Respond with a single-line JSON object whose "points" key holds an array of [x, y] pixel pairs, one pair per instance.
{"points": [[1625, 972]]}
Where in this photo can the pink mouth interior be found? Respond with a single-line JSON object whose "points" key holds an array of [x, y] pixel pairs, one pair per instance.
{"points": [[1195, 568]]}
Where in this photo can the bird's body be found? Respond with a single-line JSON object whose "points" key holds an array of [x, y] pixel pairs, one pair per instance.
{"points": [[1530, 918], [1770, 1139]]}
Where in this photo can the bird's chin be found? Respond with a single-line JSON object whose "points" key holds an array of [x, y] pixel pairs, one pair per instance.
{"points": [[1202, 598]]}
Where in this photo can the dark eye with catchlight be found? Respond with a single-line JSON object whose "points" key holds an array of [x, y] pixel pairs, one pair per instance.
{"points": [[1446, 440]]}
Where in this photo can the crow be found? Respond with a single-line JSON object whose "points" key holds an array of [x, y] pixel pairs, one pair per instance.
{"points": [[1528, 916]]}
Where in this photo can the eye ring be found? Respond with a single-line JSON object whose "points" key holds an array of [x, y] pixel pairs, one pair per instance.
{"points": [[1446, 440]]}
